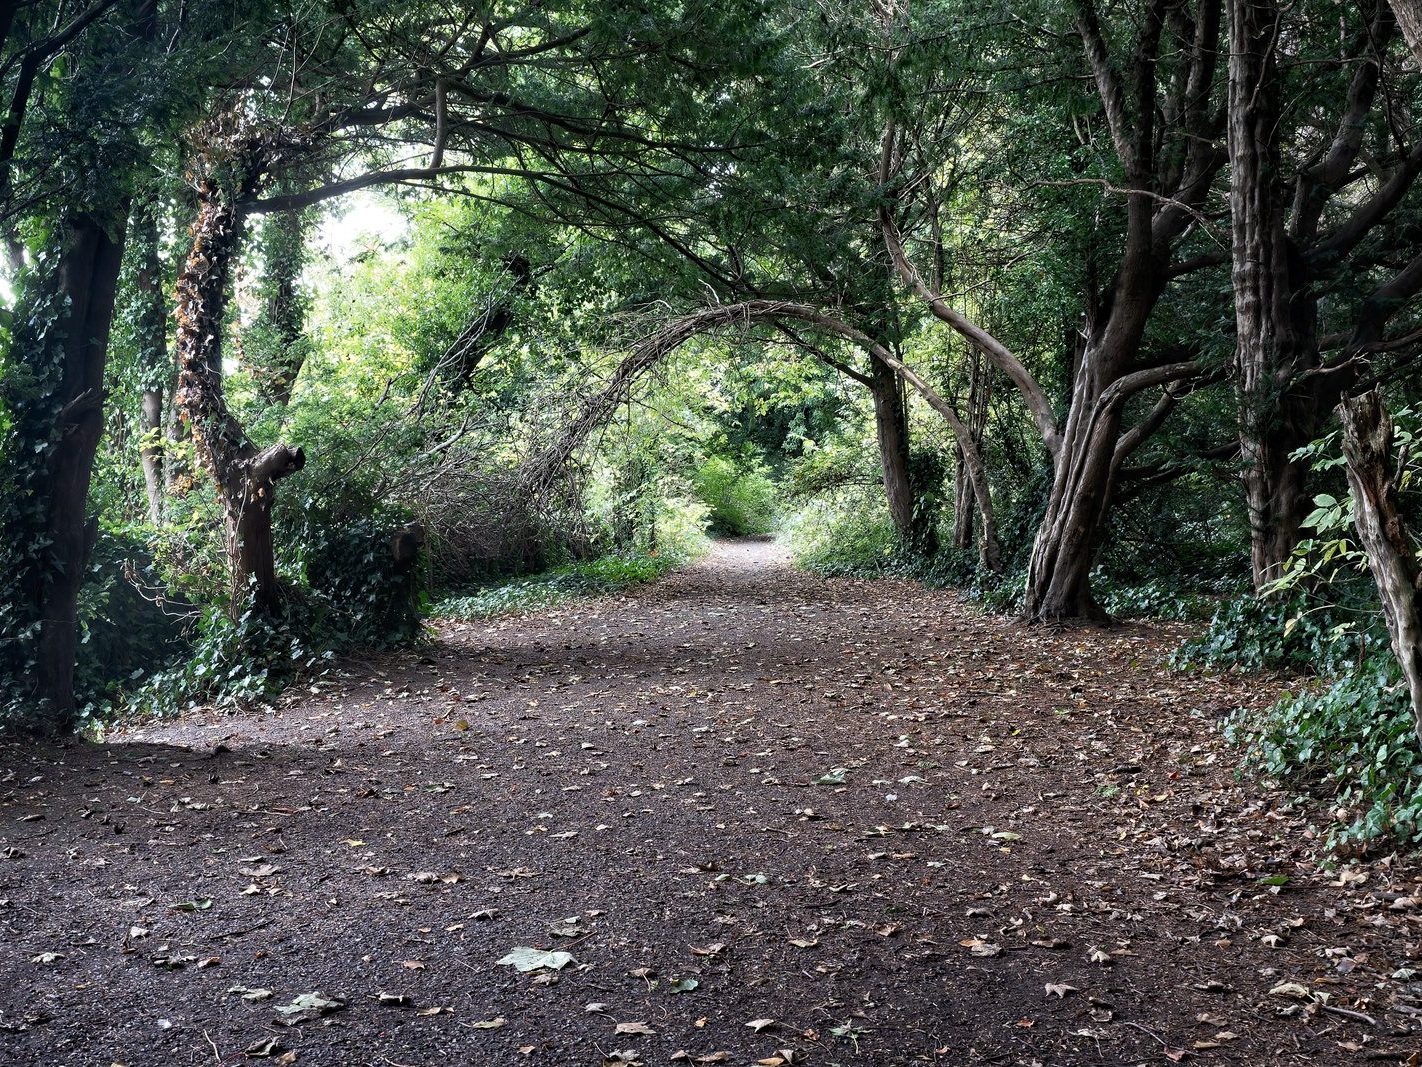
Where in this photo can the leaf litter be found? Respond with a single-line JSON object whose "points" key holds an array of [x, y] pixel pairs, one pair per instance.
{"points": [[1017, 806]]}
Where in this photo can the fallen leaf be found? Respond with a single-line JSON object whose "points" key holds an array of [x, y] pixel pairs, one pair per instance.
{"points": [[523, 958], [982, 948], [308, 1006]]}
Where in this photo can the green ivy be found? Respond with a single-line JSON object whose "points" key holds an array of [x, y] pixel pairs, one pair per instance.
{"points": [[1351, 742]]}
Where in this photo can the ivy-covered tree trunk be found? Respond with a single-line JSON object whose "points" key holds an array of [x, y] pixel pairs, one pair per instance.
{"points": [[245, 476], [1383, 532], [281, 324], [60, 346], [151, 334]]}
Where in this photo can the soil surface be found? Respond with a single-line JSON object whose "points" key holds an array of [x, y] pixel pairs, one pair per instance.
{"points": [[771, 818]]}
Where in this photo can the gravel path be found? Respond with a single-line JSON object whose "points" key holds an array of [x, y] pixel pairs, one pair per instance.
{"points": [[771, 818]]}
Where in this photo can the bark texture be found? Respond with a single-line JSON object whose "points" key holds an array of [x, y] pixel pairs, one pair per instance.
{"points": [[1275, 314], [1409, 19], [245, 476], [152, 355], [891, 428], [1390, 546], [1294, 228], [964, 499], [87, 281]]}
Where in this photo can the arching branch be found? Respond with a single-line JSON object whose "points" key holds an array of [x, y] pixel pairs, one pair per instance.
{"points": [[1032, 392], [539, 472]]}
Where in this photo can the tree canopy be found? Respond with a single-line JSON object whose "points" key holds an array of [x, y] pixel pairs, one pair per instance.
{"points": [[1096, 310]]}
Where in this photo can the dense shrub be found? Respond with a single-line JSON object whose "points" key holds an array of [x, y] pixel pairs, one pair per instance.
{"points": [[129, 627], [740, 499], [354, 577], [845, 538], [363, 573], [1280, 633], [1152, 599]]}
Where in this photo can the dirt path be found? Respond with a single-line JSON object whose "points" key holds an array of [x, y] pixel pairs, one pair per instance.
{"points": [[1039, 854]]}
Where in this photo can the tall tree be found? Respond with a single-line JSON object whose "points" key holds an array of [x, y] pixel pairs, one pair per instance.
{"points": [[53, 379], [578, 101], [1317, 274], [1156, 97], [150, 336]]}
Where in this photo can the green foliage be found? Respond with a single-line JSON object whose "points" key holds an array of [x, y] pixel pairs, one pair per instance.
{"points": [[129, 627], [357, 592], [848, 538], [740, 499], [598, 577], [1350, 741], [30, 377], [242, 661], [1169, 598], [1289, 634], [350, 593]]}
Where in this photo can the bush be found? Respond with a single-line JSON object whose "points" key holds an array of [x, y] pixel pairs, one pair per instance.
{"points": [[127, 629], [363, 576], [1153, 599], [354, 577], [1252, 633], [239, 661], [847, 539], [1353, 743], [740, 500]]}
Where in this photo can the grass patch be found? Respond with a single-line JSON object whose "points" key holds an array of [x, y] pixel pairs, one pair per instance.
{"points": [[597, 577]]}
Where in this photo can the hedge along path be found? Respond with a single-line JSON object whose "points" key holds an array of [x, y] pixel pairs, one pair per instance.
{"points": [[743, 815]]}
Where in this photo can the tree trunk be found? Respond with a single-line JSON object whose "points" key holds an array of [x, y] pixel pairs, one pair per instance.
{"points": [[964, 499], [891, 423], [1391, 548], [1409, 20], [87, 283], [973, 466], [989, 550], [152, 338], [245, 478], [1064, 549], [1274, 315]]}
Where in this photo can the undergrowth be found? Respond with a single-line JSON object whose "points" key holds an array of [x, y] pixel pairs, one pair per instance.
{"points": [[1351, 743], [597, 577]]}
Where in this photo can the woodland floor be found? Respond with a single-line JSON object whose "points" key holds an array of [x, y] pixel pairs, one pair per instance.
{"points": [[1041, 853]]}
